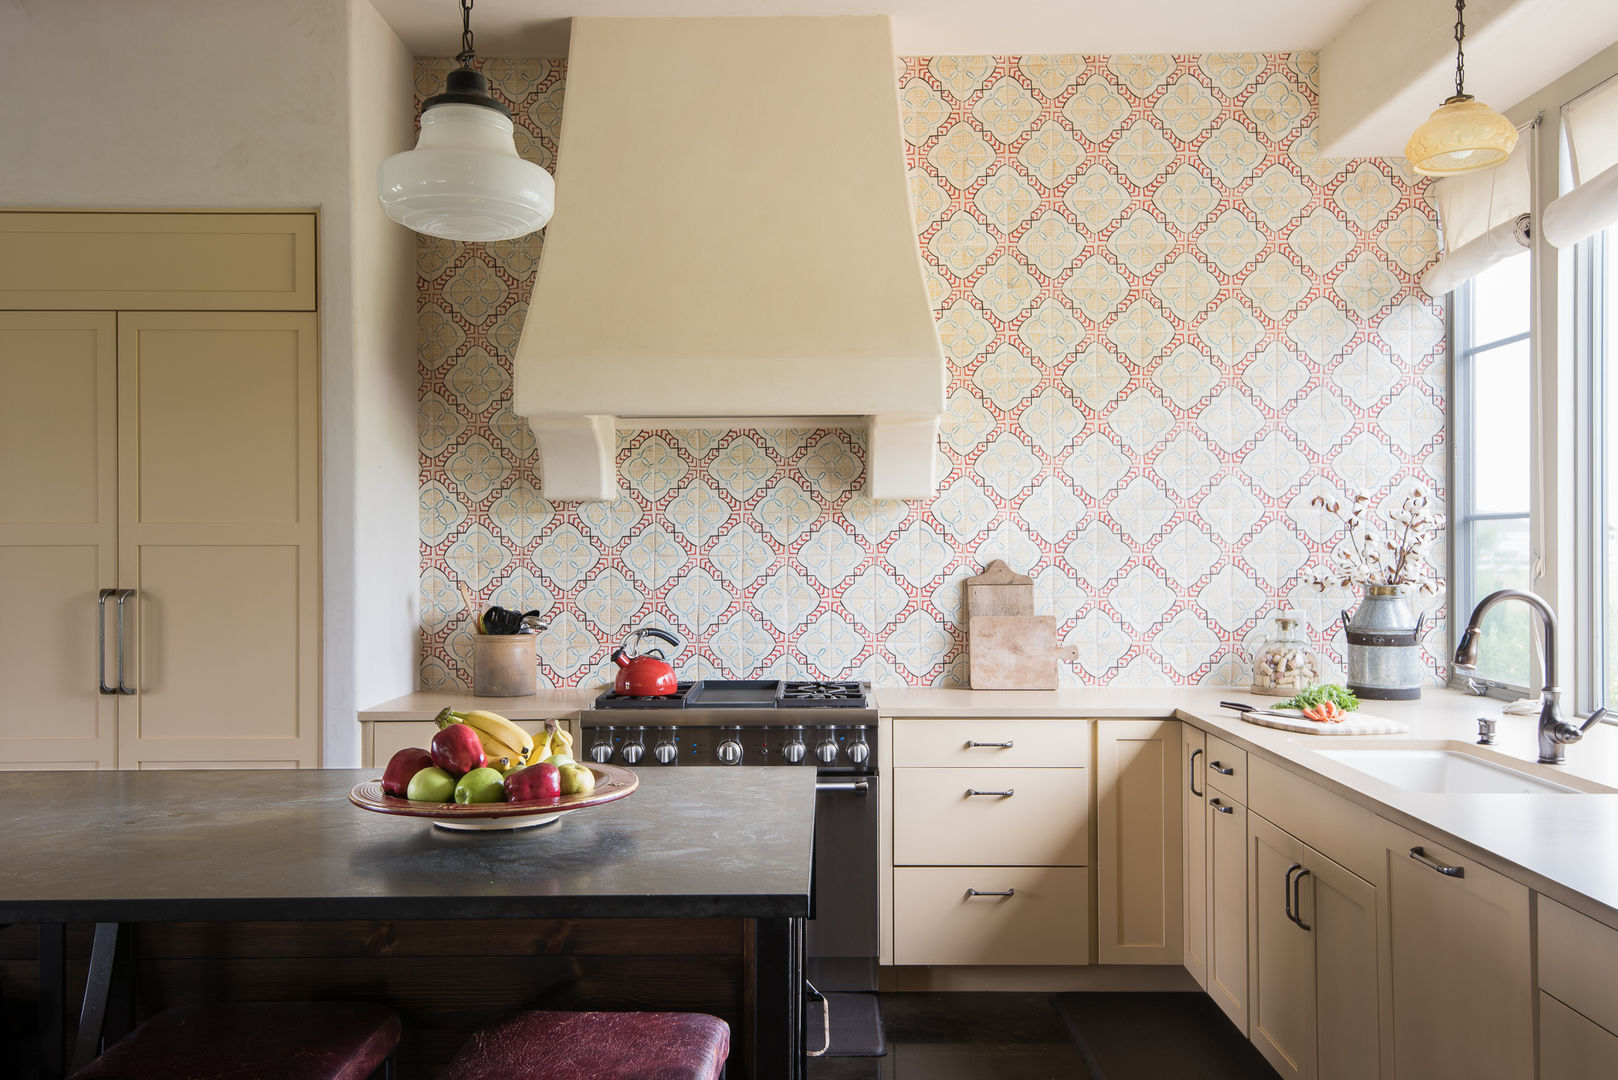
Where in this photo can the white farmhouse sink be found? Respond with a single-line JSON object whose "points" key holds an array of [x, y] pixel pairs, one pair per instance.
{"points": [[1455, 768]]}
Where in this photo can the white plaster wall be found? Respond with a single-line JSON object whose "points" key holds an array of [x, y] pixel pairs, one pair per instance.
{"points": [[235, 103], [384, 380]]}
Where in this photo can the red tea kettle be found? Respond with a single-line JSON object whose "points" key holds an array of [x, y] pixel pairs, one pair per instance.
{"points": [[644, 674]]}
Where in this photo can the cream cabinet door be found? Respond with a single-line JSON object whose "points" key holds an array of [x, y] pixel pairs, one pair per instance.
{"points": [[1194, 793], [1460, 969], [1340, 907], [219, 537], [1227, 908], [1572, 1046], [1281, 966], [58, 535], [1138, 825]]}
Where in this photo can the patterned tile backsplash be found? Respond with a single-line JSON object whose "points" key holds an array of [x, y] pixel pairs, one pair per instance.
{"points": [[1169, 324]]}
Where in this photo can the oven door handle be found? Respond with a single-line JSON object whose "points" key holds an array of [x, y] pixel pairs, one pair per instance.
{"points": [[858, 787]]}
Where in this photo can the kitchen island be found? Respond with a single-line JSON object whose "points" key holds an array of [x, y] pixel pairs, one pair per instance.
{"points": [[115, 848]]}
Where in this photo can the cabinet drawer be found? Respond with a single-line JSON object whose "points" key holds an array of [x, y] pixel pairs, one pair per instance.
{"points": [[1227, 769], [1571, 1046], [1045, 920], [1047, 743], [1578, 962], [1044, 822]]}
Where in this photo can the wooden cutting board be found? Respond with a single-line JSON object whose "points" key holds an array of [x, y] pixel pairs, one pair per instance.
{"points": [[1357, 723], [1014, 652]]}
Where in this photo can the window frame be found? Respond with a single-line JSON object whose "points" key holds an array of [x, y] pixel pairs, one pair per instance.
{"points": [[1591, 446], [1461, 474]]}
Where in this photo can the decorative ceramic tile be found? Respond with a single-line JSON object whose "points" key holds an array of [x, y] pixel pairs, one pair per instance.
{"points": [[1168, 324]]}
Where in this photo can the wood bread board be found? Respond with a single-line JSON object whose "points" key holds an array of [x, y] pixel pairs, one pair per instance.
{"points": [[1358, 723], [1013, 652]]}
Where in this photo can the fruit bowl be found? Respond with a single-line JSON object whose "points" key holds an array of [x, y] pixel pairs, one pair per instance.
{"points": [[612, 783]]}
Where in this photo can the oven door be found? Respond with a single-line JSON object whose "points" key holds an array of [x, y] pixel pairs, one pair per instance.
{"points": [[841, 944]]}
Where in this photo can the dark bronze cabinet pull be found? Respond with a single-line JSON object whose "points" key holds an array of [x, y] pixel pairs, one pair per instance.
{"points": [[1443, 868], [1219, 767], [1194, 791], [1221, 807]]}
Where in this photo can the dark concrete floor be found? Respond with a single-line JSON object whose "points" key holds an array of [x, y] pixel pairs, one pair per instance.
{"points": [[965, 1037]]}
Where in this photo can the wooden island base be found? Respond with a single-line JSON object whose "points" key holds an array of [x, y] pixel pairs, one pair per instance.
{"points": [[443, 977]]}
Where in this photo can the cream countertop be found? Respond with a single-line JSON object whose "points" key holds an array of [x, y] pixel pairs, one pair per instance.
{"points": [[1563, 845]]}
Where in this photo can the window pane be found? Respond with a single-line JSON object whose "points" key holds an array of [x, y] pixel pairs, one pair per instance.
{"points": [[1500, 421], [1609, 527], [1499, 555], [1500, 298]]}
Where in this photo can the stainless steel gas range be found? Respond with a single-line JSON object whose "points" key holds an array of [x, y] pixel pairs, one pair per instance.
{"points": [[828, 726]]}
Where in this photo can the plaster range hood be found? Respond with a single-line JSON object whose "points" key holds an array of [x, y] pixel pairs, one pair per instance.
{"points": [[734, 245]]}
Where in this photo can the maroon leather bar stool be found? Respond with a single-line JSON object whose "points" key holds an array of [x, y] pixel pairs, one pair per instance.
{"points": [[595, 1046], [291, 1040]]}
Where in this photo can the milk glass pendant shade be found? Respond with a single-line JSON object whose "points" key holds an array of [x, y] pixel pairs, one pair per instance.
{"points": [[464, 180], [1463, 134]]}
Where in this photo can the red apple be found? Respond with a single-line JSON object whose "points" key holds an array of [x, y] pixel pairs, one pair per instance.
{"points": [[457, 750], [542, 781], [401, 767]]}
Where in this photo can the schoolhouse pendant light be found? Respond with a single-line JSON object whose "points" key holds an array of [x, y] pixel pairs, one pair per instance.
{"points": [[464, 180], [1463, 134]]}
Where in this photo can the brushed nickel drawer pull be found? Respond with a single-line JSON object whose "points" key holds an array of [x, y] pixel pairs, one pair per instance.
{"points": [[1221, 807], [1003, 892], [1443, 868], [1219, 767], [1007, 745], [1006, 794]]}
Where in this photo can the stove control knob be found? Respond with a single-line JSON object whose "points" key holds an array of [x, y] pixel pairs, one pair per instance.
{"points": [[601, 752], [730, 752], [793, 749], [859, 751], [633, 752], [665, 752], [827, 750]]}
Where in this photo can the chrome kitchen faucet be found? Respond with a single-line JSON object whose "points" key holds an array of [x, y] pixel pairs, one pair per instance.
{"points": [[1554, 732]]}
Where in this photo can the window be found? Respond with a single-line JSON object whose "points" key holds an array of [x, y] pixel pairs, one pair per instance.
{"points": [[1491, 417], [1596, 310]]}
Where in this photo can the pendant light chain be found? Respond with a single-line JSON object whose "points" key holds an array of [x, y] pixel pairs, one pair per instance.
{"points": [[466, 54], [1460, 54]]}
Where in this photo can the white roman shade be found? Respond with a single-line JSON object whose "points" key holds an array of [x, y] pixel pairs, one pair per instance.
{"points": [[1590, 123], [1485, 216]]}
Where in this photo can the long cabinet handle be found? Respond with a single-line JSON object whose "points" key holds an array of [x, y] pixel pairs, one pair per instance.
{"points": [[1221, 807], [980, 892], [1007, 745], [1194, 791], [1297, 899], [101, 641], [1006, 794], [1443, 868], [1220, 768], [1286, 891], [120, 597]]}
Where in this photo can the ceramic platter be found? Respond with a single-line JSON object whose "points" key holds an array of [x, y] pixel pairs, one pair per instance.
{"points": [[612, 783]]}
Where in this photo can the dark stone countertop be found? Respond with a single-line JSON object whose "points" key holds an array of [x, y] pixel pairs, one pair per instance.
{"points": [[237, 845]]}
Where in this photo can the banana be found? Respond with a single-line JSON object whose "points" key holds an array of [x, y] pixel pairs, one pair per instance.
{"points": [[562, 739], [506, 745], [542, 749]]}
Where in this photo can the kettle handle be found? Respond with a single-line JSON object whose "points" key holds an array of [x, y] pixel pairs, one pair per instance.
{"points": [[1346, 617], [653, 631]]}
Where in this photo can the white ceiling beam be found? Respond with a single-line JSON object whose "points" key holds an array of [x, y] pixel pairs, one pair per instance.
{"points": [[1394, 63]]}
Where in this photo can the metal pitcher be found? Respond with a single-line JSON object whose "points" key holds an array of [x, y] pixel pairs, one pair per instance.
{"points": [[1384, 645]]}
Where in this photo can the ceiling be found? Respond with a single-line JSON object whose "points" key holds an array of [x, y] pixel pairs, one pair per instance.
{"points": [[920, 27]]}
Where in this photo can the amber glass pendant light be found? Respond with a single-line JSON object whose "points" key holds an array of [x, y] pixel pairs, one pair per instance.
{"points": [[1463, 134]]}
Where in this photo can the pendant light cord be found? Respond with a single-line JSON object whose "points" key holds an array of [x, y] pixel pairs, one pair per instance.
{"points": [[1460, 54], [466, 54]]}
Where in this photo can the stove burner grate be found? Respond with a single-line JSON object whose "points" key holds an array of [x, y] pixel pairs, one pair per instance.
{"points": [[824, 693]]}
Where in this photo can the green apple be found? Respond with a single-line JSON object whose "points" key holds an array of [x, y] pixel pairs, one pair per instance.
{"points": [[560, 759], [431, 784], [480, 786]]}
